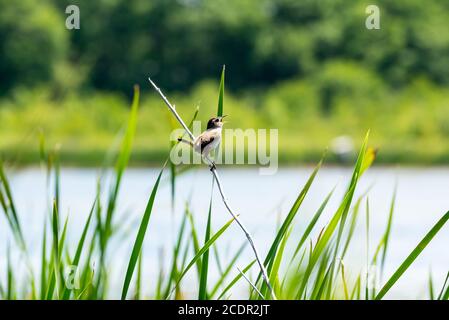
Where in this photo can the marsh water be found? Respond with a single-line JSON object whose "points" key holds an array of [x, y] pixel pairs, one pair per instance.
{"points": [[261, 201]]}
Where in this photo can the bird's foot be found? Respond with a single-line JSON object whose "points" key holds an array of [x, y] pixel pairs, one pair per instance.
{"points": [[213, 166]]}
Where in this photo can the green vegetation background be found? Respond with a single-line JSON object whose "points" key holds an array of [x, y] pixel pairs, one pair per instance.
{"points": [[308, 68]]}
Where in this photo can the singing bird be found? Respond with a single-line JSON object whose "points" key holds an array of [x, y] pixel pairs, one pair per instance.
{"points": [[209, 139]]}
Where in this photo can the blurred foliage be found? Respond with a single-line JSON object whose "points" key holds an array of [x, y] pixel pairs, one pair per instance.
{"points": [[408, 126], [309, 68], [32, 42], [181, 42]]}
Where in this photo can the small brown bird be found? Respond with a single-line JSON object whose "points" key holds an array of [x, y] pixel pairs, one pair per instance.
{"points": [[209, 139]]}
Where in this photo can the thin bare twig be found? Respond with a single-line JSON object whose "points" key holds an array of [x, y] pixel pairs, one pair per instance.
{"points": [[172, 109], [251, 284], [213, 169]]}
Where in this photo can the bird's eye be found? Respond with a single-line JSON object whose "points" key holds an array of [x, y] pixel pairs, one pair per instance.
{"points": [[216, 120]]}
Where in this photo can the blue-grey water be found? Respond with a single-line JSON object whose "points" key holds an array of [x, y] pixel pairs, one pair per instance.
{"points": [[261, 201]]}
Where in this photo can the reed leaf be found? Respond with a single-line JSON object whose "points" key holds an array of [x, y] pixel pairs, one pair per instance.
{"points": [[202, 251], [136, 251], [202, 295], [412, 256]]}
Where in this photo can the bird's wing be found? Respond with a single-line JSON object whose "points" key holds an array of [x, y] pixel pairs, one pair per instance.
{"points": [[205, 140]]}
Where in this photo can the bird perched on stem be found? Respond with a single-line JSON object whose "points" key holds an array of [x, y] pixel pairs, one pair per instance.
{"points": [[209, 140]]}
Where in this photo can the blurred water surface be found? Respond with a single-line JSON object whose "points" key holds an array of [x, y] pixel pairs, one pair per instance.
{"points": [[261, 201]]}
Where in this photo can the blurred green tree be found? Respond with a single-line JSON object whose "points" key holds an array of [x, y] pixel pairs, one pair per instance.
{"points": [[182, 42], [33, 39]]}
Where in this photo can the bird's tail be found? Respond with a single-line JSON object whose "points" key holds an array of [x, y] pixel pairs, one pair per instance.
{"points": [[190, 143]]}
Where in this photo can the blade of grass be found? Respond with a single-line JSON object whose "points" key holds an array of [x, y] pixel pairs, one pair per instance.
{"points": [[236, 279], [217, 259], [173, 172], [367, 250], [221, 93], [16, 227], [176, 251], [220, 103], [322, 277], [287, 223], [343, 278], [195, 241], [313, 222], [274, 278], [123, 159], [55, 230], [431, 291], [412, 256], [336, 219], [289, 281], [364, 161], [202, 250], [140, 237], [57, 180], [352, 225], [446, 294], [87, 272], [355, 294], [440, 295], [139, 278], [10, 277], [202, 295], [44, 263], [79, 248], [227, 269], [386, 236], [160, 279], [54, 259]]}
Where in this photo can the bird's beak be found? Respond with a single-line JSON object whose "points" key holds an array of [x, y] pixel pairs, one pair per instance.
{"points": [[221, 118]]}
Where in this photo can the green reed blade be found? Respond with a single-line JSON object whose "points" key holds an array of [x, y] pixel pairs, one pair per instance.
{"points": [[202, 251], [441, 294], [10, 206], [140, 236], [44, 263], [387, 233], [221, 93], [412, 256], [236, 279], [288, 221], [123, 158], [174, 269], [79, 248], [430, 284], [228, 269], [195, 241], [273, 275], [313, 222], [202, 294]]}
